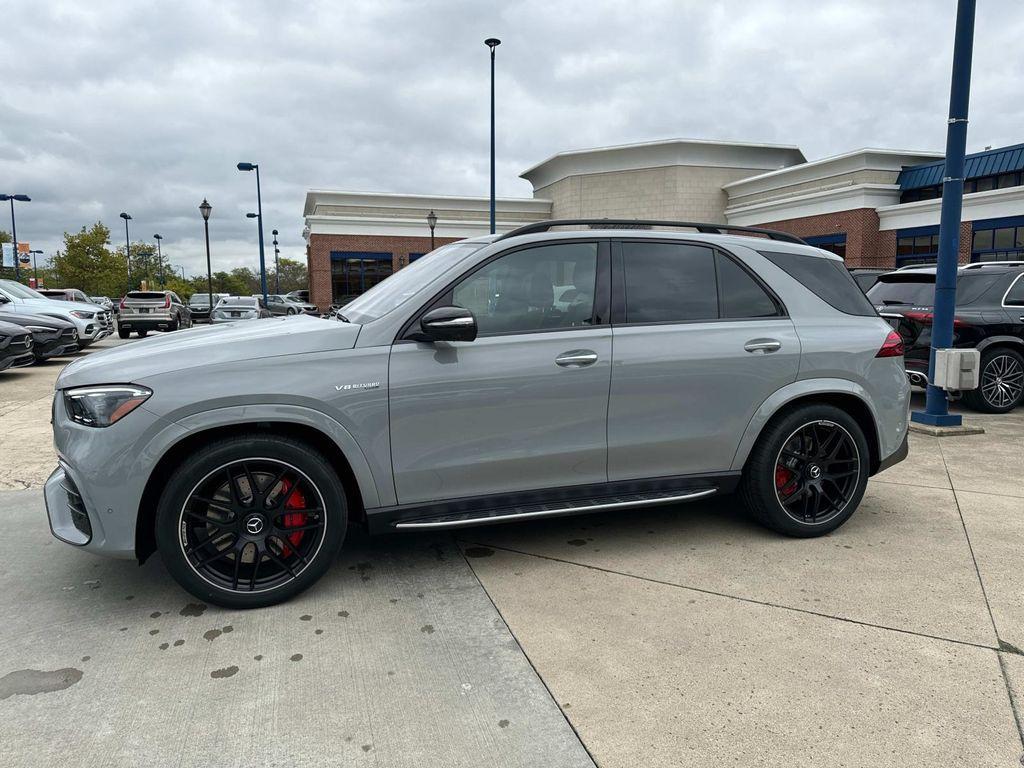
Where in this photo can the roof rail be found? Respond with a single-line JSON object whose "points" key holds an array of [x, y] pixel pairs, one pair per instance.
{"points": [[983, 264], [917, 265], [715, 229]]}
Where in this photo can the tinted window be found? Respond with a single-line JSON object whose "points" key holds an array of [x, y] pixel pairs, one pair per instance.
{"points": [[1015, 296], [669, 282], [739, 294], [826, 278], [916, 293], [534, 289]]}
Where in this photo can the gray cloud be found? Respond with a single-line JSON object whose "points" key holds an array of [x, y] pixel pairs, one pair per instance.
{"points": [[146, 107]]}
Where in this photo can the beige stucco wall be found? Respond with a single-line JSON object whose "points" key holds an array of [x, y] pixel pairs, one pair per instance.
{"points": [[864, 176], [672, 192]]}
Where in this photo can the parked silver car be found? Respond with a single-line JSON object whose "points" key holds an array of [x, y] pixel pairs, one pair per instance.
{"points": [[457, 392], [145, 311], [92, 321], [231, 309]]}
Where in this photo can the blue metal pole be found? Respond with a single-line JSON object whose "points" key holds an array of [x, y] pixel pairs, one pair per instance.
{"points": [[14, 234], [936, 410], [492, 142], [259, 214]]}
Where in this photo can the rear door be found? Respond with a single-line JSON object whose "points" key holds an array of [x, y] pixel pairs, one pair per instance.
{"points": [[699, 343]]}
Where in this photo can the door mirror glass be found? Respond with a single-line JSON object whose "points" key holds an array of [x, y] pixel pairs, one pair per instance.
{"points": [[449, 324]]}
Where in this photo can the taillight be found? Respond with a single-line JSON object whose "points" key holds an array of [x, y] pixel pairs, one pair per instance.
{"points": [[167, 302], [121, 304], [927, 318], [893, 346]]}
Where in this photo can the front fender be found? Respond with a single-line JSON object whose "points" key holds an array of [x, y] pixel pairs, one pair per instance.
{"points": [[788, 394], [252, 413]]}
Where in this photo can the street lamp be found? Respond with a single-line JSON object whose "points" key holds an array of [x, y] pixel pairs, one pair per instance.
{"points": [[182, 272], [127, 248], [277, 269], [431, 222], [204, 209], [259, 215], [35, 270], [492, 43], [14, 226], [160, 258]]}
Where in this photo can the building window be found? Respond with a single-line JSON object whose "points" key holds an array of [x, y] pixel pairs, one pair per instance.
{"points": [[917, 246], [414, 256], [354, 272], [836, 243], [998, 239]]}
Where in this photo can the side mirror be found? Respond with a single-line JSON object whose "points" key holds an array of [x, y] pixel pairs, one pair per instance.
{"points": [[449, 324], [4, 299]]}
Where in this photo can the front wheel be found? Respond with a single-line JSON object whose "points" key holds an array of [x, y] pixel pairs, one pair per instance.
{"points": [[251, 521], [1001, 382], [807, 472], [124, 333]]}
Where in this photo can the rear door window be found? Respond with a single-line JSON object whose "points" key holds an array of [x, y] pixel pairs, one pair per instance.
{"points": [[1015, 296], [739, 294], [669, 282], [827, 278]]}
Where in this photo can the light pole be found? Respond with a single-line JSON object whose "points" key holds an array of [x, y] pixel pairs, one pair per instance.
{"points": [[936, 412], [205, 208], [431, 222], [259, 215], [160, 258], [127, 248], [277, 266], [14, 226], [492, 43], [182, 272], [35, 269]]}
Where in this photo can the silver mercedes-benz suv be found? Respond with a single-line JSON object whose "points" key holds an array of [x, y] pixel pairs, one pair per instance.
{"points": [[564, 367]]}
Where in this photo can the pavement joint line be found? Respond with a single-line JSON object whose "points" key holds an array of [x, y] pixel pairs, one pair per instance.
{"points": [[750, 600], [526, 656], [938, 488], [991, 616]]}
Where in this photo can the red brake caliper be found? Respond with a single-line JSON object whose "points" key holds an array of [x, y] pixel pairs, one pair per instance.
{"points": [[783, 479], [294, 500]]}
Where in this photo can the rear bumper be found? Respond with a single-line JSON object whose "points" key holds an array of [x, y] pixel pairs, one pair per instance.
{"points": [[155, 323], [896, 456]]}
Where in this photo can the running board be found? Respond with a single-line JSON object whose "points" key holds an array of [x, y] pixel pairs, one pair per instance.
{"points": [[511, 514]]}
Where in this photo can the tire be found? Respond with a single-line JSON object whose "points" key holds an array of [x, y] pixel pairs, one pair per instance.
{"points": [[174, 326], [291, 311], [224, 572], [142, 334], [124, 333], [782, 466], [1000, 382]]}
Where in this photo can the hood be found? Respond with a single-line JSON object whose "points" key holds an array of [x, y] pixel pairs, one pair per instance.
{"points": [[19, 318], [43, 306], [210, 345], [10, 329]]}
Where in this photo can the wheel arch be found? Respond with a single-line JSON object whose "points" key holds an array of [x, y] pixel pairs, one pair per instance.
{"points": [[1015, 342], [840, 393], [350, 465]]}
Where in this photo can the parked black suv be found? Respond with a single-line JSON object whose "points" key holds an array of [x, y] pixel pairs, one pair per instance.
{"points": [[989, 317]]}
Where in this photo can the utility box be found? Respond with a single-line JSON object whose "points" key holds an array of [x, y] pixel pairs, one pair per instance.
{"points": [[957, 368]]}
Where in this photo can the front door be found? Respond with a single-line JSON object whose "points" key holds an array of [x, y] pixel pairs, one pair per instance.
{"points": [[524, 406], [700, 343]]}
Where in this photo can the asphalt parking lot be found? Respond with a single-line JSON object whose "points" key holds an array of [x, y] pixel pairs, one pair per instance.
{"points": [[673, 636]]}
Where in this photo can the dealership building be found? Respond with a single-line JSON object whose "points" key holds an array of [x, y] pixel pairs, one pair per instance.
{"points": [[873, 207]]}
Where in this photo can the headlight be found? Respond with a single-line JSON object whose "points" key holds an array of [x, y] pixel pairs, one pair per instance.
{"points": [[40, 329], [104, 405], [82, 315]]}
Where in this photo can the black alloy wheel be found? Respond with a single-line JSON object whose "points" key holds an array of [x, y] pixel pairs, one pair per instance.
{"points": [[250, 521], [816, 472]]}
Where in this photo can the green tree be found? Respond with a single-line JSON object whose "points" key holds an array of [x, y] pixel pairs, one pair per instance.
{"points": [[87, 263], [293, 276]]}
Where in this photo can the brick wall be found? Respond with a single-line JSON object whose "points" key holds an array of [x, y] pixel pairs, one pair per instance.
{"points": [[318, 256]]}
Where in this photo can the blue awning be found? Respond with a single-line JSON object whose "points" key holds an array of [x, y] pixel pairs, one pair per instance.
{"points": [[988, 163]]}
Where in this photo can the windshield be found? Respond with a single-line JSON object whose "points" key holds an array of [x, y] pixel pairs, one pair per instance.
{"points": [[920, 290], [19, 291], [199, 300], [237, 302], [395, 290]]}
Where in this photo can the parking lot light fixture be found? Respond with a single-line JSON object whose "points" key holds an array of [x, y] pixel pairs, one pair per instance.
{"points": [[14, 225], [431, 222], [127, 248], [204, 209], [492, 43], [277, 270], [259, 215], [160, 258]]}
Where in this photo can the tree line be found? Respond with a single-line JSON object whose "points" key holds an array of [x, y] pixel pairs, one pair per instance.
{"points": [[87, 262]]}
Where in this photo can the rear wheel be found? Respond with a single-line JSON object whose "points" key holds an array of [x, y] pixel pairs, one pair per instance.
{"points": [[807, 472], [143, 334], [124, 333], [1001, 382], [251, 521]]}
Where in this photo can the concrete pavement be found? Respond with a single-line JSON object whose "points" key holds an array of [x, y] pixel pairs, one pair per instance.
{"points": [[674, 636]]}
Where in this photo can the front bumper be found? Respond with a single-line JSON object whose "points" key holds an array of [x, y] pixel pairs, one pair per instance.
{"points": [[65, 509]]}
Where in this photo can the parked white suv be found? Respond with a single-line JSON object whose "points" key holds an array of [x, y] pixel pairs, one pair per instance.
{"points": [[92, 321]]}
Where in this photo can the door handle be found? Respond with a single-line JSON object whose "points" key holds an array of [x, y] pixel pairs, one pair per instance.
{"points": [[576, 358], [763, 345]]}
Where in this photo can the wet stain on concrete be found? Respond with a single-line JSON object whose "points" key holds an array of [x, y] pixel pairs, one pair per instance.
{"points": [[226, 672], [503, 723], [296, 657], [86, 658], [393, 600], [155, 615], [343, 614], [129, 597], [212, 634], [123, 629], [367, 747], [1008, 648], [318, 632], [193, 609], [305, 617], [258, 657], [577, 542], [427, 628], [29, 682], [479, 551], [363, 569], [178, 643], [154, 632], [419, 595], [164, 646], [227, 629]]}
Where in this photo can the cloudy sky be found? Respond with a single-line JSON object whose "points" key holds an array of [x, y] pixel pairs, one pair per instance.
{"points": [[147, 106]]}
